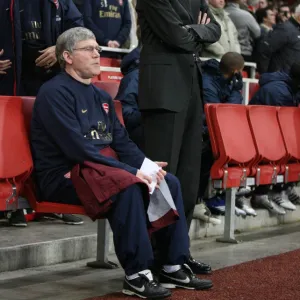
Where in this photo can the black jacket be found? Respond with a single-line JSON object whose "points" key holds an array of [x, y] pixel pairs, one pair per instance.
{"points": [[166, 63], [281, 48]]}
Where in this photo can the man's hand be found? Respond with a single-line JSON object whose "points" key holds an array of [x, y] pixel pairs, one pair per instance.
{"points": [[161, 173], [47, 59], [203, 18], [147, 179], [4, 64], [113, 44]]}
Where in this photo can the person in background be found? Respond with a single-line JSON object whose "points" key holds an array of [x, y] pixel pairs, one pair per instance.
{"points": [[284, 13], [109, 20], [42, 21], [278, 89], [266, 19], [128, 95], [281, 47], [222, 83], [229, 35], [246, 25], [10, 48]]}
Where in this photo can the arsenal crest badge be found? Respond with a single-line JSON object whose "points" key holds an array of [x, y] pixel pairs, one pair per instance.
{"points": [[105, 107]]}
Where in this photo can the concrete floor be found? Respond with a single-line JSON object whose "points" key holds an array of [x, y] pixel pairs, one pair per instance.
{"points": [[74, 281]]}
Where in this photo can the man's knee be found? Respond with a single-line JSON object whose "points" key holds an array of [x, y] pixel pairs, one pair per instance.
{"points": [[173, 184]]}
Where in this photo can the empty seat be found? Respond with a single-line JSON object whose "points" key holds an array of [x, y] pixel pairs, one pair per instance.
{"points": [[268, 141], [234, 144], [109, 87], [289, 120], [15, 156]]}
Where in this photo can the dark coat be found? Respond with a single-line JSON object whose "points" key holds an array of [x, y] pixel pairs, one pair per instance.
{"points": [[216, 88], [280, 48], [167, 62], [275, 90], [128, 95], [70, 17]]}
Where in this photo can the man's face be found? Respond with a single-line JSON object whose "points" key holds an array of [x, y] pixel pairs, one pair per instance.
{"points": [[284, 13], [262, 4], [217, 3], [270, 19], [84, 59]]}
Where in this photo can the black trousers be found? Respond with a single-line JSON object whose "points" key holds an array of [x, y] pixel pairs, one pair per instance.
{"points": [[177, 139]]}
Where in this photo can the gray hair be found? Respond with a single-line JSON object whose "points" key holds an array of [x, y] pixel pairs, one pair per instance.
{"points": [[67, 41]]}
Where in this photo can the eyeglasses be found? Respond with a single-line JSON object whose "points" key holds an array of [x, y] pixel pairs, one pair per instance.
{"points": [[90, 49]]}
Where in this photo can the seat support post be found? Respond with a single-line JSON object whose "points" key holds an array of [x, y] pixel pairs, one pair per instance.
{"points": [[102, 247], [228, 236]]}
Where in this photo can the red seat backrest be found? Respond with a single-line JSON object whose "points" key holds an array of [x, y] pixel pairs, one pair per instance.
{"points": [[15, 155], [266, 133], [28, 103], [109, 87], [110, 76], [253, 88], [245, 74], [289, 120], [110, 62], [210, 125], [233, 133]]}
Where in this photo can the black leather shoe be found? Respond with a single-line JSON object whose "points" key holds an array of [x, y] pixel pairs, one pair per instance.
{"points": [[198, 267]]}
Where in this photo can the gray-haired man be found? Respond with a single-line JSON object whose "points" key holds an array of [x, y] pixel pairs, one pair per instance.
{"points": [[65, 132]]}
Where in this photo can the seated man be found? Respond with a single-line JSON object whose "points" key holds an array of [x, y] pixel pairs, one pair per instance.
{"points": [[72, 122], [128, 95], [222, 83], [279, 88]]}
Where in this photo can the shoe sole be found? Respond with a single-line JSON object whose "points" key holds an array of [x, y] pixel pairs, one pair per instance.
{"points": [[131, 293], [66, 222], [174, 286], [18, 225], [74, 223]]}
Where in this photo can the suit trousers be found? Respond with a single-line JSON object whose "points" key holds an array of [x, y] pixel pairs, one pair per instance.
{"points": [[176, 137]]}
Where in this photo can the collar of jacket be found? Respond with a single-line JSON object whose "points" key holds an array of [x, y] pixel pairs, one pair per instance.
{"points": [[266, 27], [220, 12], [294, 22]]}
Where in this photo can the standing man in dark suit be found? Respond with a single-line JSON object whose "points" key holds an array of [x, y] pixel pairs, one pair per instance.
{"points": [[170, 88]]}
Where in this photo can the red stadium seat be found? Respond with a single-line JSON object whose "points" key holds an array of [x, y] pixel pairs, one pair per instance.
{"points": [[289, 120], [230, 128], [110, 87], [253, 88], [15, 156], [268, 141], [110, 62], [110, 76]]}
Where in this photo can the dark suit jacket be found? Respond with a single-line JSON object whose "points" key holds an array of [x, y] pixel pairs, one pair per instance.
{"points": [[166, 63]]}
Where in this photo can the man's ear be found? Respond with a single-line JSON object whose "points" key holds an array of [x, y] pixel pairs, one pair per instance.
{"points": [[68, 57]]}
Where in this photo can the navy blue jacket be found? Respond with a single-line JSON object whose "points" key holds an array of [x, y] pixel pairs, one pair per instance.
{"points": [[275, 89], [10, 41], [108, 20], [67, 14], [128, 95], [71, 123], [217, 89]]}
